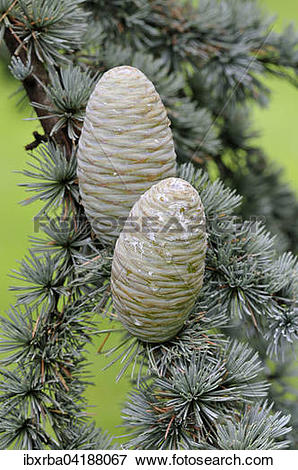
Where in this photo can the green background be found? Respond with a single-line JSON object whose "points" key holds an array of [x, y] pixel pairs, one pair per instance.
{"points": [[278, 124]]}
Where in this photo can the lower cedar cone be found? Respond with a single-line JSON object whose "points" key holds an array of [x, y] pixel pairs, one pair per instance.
{"points": [[159, 260]]}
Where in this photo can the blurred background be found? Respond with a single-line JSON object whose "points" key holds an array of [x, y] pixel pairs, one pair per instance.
{"points": [[278, 124]]}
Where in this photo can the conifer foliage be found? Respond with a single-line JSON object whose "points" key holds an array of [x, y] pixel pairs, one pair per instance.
{"points": [[222, 381]]}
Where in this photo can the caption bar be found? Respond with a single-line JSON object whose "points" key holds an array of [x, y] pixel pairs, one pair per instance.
{"points": [[132, 460]]}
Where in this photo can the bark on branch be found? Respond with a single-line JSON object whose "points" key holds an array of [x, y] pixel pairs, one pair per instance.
{"points": [[35, 91]]}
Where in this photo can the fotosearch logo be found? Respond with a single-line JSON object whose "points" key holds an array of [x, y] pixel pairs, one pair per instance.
{"points": [[153, 224], [131, 224], [146, 224]]}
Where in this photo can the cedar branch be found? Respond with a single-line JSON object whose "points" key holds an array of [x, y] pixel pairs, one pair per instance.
{"points": [[35, 91]]}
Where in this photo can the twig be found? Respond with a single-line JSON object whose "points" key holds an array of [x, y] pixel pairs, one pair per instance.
{"points": [[8, 10], [38, 140], [35, 87]]}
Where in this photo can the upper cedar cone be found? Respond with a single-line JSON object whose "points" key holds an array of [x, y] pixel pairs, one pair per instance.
{"points": [[126, 145], [158, 262]]}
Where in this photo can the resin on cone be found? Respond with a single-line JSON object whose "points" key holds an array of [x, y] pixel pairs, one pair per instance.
{"points": [[158, 262], [126, 146]]}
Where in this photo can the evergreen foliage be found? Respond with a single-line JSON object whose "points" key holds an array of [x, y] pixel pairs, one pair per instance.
{"points": [[204, 388], [257, 429]]}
